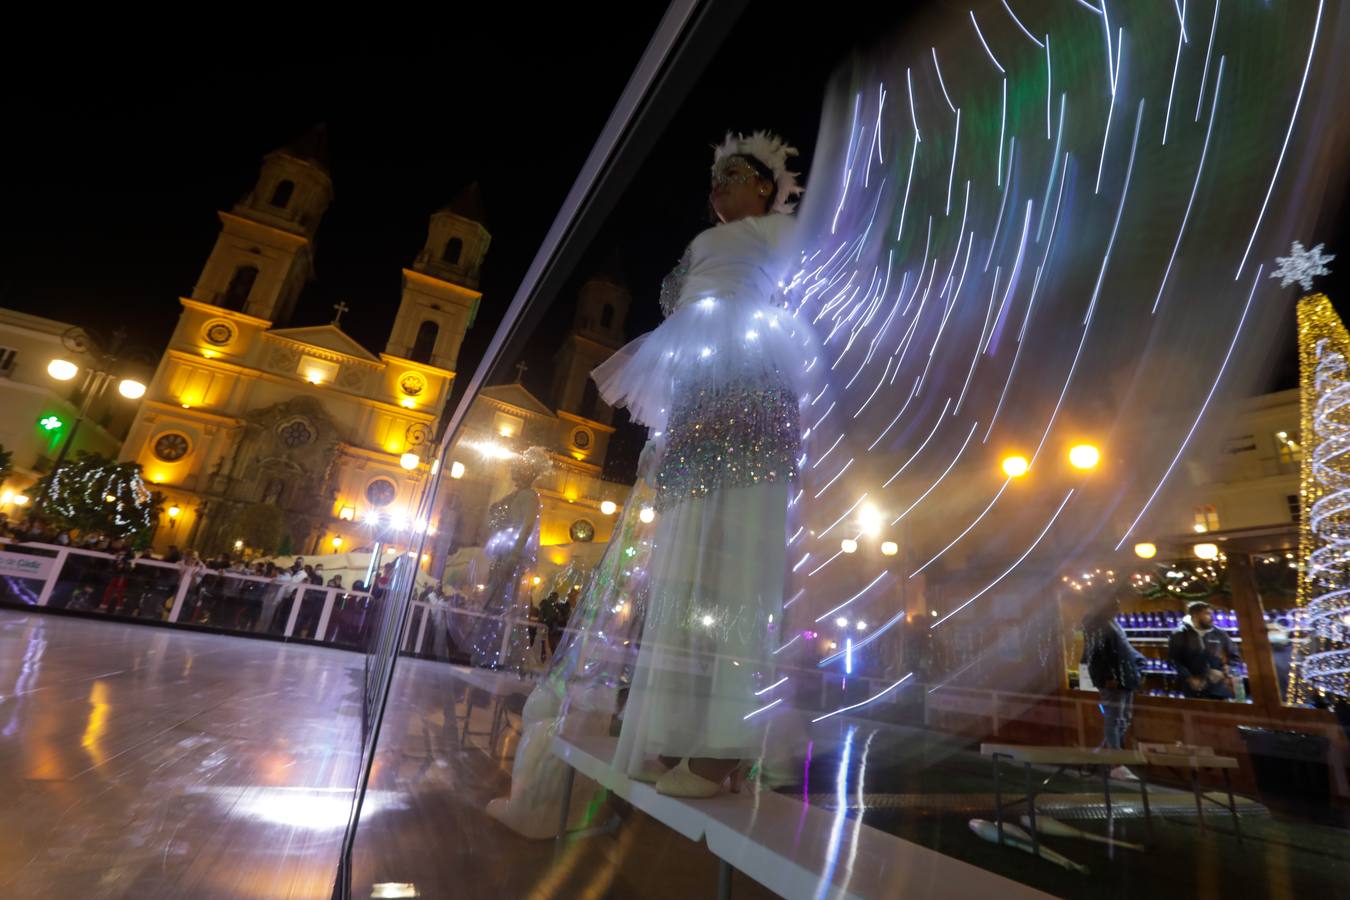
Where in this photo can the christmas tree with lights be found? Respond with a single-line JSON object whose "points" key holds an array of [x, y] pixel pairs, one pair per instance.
{"points": [[1321, 668], [95, 495]]}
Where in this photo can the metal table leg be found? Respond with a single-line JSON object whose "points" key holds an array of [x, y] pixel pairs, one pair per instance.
{"points": [[1199, 806], [1148, 813], [566, 808], [723, 880], [1031, 811], [1232, 805], [1106, 795], [998, 800], [468, 714]]}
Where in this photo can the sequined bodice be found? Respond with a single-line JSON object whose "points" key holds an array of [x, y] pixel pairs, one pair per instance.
{"points": [[673, 284]]}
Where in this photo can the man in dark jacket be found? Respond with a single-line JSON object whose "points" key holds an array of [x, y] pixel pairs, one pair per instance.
{"points": [[1115, 668], [1202, 654]]}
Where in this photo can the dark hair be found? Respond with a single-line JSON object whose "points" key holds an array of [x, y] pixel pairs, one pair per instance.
{"points": [[760, 170], [1196, 606]]}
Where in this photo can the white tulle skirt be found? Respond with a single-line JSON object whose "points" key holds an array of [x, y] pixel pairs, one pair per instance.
{"points": [[707, 343], [717, 573]]}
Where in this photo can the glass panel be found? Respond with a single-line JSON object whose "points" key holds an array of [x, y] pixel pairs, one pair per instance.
{"points": [[747, 600]]}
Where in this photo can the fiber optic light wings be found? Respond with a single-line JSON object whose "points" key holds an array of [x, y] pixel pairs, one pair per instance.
{"points": [[1030, 226]]}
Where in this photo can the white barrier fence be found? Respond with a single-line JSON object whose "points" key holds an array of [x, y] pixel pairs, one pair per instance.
{"points": [[59, 577]]}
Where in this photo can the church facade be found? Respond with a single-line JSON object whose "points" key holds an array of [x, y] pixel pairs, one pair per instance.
{"points": [[263, 434]]}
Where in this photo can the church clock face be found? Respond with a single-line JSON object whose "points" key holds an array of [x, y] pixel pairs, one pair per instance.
{"points": [[218, 333], [581, 439], [171, 447], [412, 384], [381, 492], [582, 531]]}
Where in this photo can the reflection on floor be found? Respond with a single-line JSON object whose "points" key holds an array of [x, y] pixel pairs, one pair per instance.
{"points": [[141, 762], [920, 786], [440, 839]]}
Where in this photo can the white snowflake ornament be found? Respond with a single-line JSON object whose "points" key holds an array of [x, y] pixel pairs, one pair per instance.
{"points": [[1302, 265]]}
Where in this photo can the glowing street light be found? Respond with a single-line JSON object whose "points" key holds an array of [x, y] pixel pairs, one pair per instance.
{"points": [[889, 548], [608, 507], [648, 515], [869, 520], [1206, 551], [337, 543], [457, 470], [1015, 466], [1084, 456], [848, 545], [174, 511], [131, 388], [62, 369], [1145, 550], [409, 461]]}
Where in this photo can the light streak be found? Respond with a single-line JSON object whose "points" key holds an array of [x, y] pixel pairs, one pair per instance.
{"points": [[942, 417], [1008, 570], [875, 696], [1002, 124], [837, 554], [913, 115], [1298, 101], [1049, 73], [1200, 100], [848, 513], [1110, 112], [913, 153], [980, 35], [871, 584], [1029, 35], [945, 472], [1237, 332], [834, 479], [795, 638], [832, 446], [1003, 487], [946, 96], [1092, 304], [764, 691], [1176, 64], [762, 709], [998, 221], [956, 140], [1200, 168], [1054, 161]]}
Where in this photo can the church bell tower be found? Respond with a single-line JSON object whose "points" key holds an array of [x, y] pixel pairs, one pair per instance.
{"points": [[597, 331], [440, 291], [265, 252]]}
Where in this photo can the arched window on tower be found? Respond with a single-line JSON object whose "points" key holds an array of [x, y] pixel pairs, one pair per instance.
{"points": [[425, 342], [453, 250], [241, 285], [281, 197], [590, 398], [607, 316]]}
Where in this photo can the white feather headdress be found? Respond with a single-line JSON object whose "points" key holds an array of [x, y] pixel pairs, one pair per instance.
{"points": [[773, 152]]}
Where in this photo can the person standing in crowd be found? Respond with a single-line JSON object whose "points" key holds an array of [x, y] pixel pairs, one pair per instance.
{"points": [[1116, 668], [1203, 654], [554, 613]]}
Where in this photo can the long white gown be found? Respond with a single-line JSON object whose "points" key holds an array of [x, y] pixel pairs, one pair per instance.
{"points": [[720, 379]]}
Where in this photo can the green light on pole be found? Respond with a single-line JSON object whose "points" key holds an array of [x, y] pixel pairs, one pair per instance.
{"points": [[51, 423]]}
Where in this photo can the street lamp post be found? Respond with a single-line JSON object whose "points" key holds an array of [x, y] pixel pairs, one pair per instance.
{"points": [[108, 358]]}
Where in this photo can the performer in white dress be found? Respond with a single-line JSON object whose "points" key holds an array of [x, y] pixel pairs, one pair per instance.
{"points": [[720, 380], [587, 676], [512, 545]]}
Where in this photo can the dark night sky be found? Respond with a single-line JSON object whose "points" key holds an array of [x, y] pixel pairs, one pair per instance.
{"points": [[120, 152]]}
